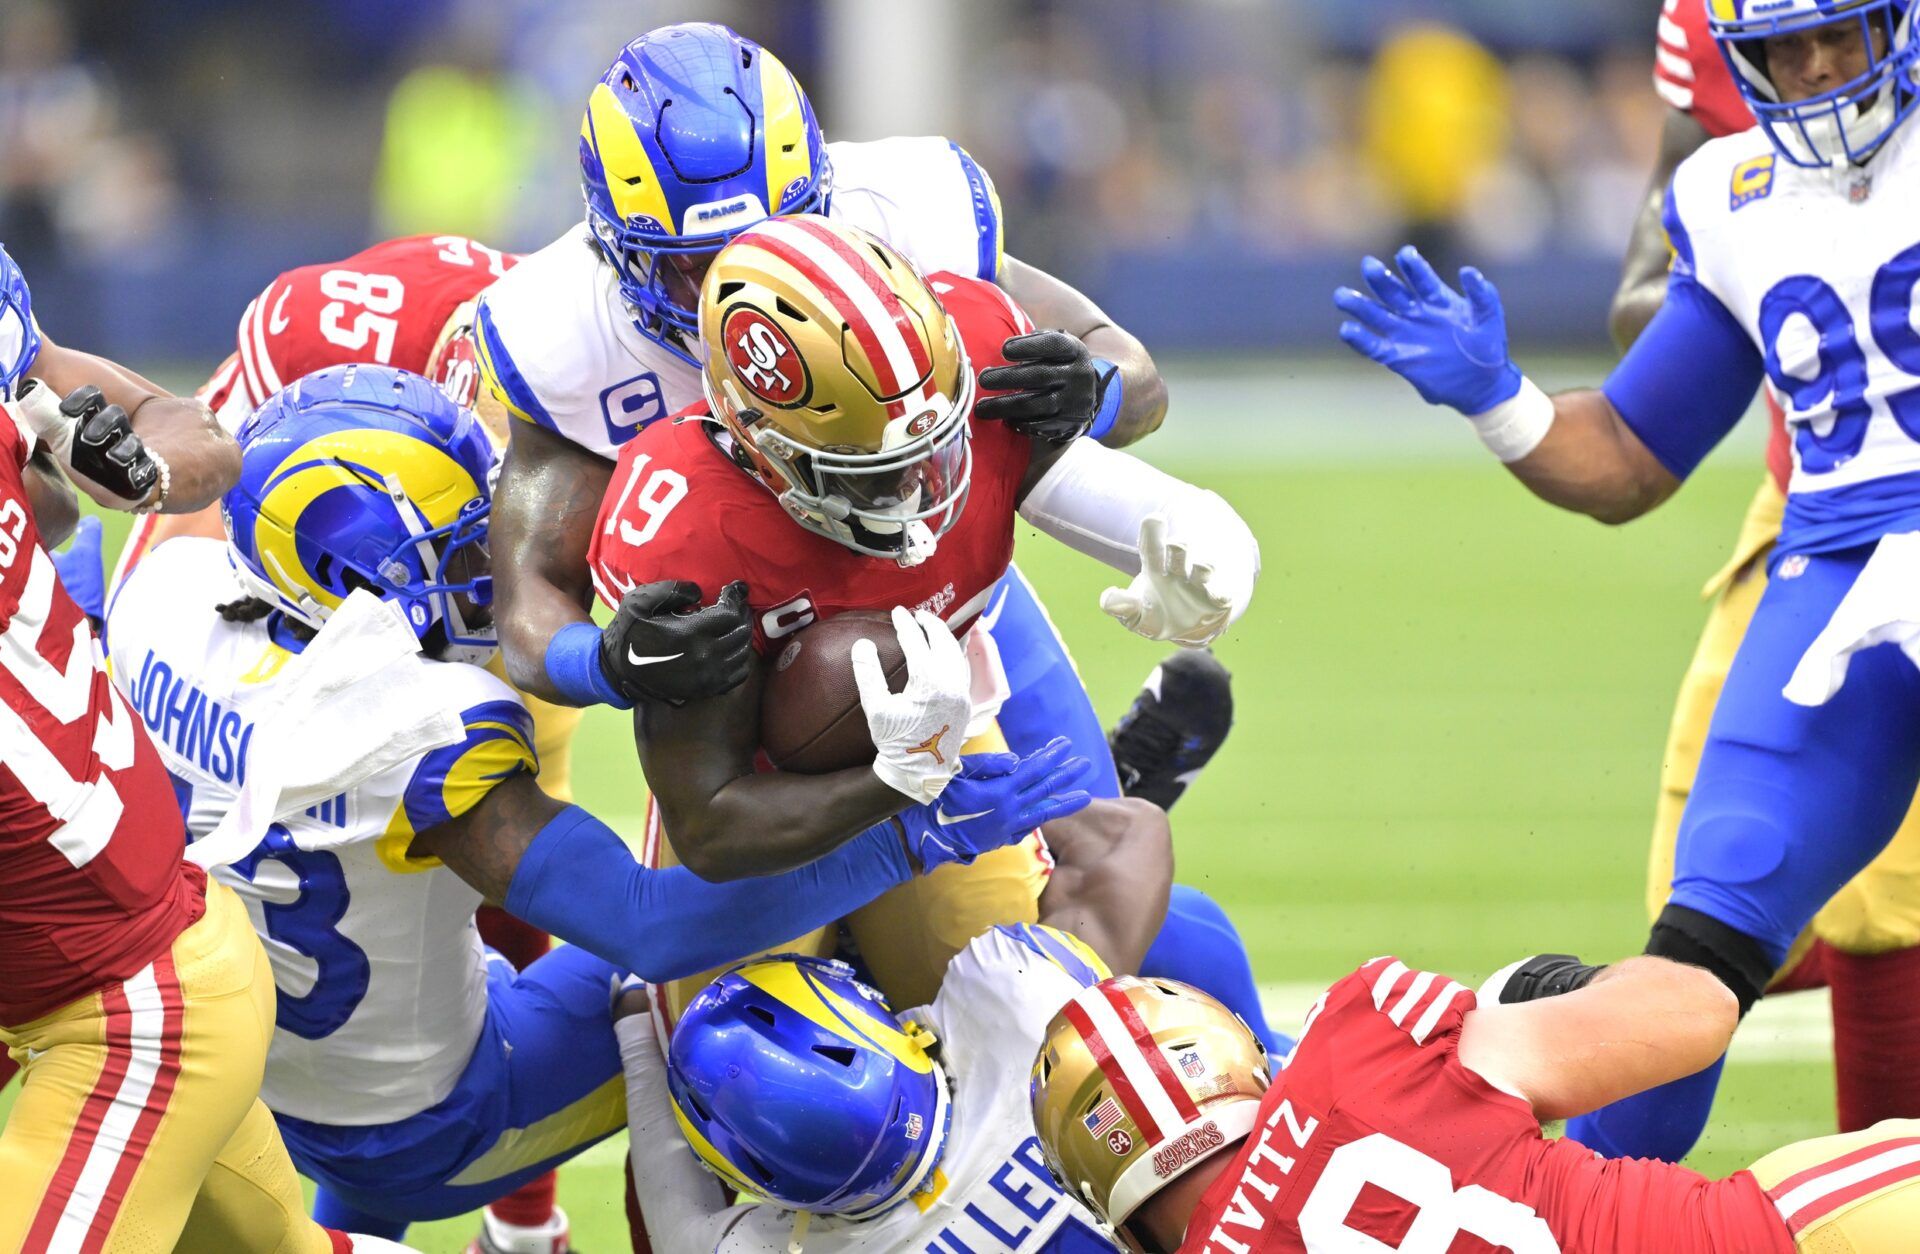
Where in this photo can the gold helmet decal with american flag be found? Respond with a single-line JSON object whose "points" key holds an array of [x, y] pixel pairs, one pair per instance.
{"points": [[842, 380], [1138, 1081]]}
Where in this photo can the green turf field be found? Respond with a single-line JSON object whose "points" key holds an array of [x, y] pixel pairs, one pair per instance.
{"points": [[1451, 702]]}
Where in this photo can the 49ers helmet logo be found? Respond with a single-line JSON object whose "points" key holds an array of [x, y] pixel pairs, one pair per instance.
{"points": [[764, 358]]}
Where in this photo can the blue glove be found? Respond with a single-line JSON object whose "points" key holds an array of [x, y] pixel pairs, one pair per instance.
{"points": [[996, 800], [1452, 348], [78, 566]]}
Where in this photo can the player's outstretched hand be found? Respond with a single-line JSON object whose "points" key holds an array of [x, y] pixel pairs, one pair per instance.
{"points": [[1053, 387], [78, 566], [661, 646], [1451, 347], [96, 444], [996, 800], [918, 732], [1174, 597]]}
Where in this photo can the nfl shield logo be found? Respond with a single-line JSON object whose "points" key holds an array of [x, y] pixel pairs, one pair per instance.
{"points": [[915, 1126], [1193, 1065]]}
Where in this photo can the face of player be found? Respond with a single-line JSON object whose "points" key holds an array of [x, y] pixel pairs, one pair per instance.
{"points": [[1812, 62]]}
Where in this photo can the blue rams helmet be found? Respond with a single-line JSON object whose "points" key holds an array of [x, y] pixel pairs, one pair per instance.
{"points": [[793, 1081], [366, 477], [19, 338], [693, 135], [1836, 128]]}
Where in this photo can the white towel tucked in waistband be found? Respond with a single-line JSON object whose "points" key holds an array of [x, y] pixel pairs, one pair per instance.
{"points": [[1882, 607], [355, 702]]}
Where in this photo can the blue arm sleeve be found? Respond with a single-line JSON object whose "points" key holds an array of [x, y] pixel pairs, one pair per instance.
{"points": [[580, 882], [1692, 373]]}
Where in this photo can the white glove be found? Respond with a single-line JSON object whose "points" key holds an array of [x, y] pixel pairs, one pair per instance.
{"points": [[1175, 597], [918, 732]]}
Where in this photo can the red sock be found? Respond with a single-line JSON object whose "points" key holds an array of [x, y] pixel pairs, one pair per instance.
{"points": [[1876, 1035], [8, 1067], [519, 943], [530, 1205], [1809, 972], [636, 1222]]}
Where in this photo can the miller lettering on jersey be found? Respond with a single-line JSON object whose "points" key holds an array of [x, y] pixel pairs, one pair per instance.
{"points": [[1023, 1193]]}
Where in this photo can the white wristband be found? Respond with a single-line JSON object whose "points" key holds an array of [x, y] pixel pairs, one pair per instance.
{"points": [[1515, 426]]}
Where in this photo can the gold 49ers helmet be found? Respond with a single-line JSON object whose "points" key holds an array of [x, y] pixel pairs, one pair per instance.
{"points": [[1138, 1082], [842, 381]]}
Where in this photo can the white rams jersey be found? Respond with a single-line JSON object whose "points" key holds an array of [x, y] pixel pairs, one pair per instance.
{"points": [[1819, 269], [380, 971], [991, 1192], [558, 345]]}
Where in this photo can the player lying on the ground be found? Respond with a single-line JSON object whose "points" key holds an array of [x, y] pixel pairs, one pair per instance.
{"points": [[888, 1132], [843, 466], [132, 989], [407, 1066], [1408, 1118], [1793, 796]]}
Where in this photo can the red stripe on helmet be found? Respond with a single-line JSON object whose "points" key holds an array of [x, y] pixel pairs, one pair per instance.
{"points": [[1176, 1091], [884, 375], [1111, 1068], [869, 273]]}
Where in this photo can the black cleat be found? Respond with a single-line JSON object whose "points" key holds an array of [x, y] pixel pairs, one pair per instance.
{"points": [[1174, 727]]}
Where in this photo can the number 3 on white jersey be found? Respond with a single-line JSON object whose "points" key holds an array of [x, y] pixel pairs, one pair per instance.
{"points": [[377, 295], [1444, 1212], [88, 812]]}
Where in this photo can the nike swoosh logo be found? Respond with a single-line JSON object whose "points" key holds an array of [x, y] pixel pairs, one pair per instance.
{"points": [[278, 320], [634, 659], [948, 820]]}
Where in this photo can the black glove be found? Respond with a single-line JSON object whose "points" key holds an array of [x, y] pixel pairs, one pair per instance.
{"points": [[654, 650], [105, 449], [1543, 975], [1053, 384]]}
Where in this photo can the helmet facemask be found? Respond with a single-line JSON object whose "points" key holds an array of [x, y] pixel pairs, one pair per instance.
{"points": [[1846, 125], [895, 503]]}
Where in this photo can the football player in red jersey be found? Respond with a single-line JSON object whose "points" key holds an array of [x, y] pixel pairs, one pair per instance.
{"points": [[841, 466], [1408, 1118], [133, 991], [1865, 943]]}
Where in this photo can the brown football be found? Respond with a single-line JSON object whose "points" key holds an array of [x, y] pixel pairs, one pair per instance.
{"points": [[810, 716]]}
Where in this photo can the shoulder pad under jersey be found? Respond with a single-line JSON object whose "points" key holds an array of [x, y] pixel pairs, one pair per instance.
{"points": [[926, 197], [559, 349]]}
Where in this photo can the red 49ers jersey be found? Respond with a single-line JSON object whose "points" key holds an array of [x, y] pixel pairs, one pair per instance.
{"points": [[94, 884], [1692, 76], [1375, 1136], [386, 305], [679, 508]]}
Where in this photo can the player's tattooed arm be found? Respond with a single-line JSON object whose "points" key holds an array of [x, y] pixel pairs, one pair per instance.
{"points": [[725, 819], [1643, 275], [1052, 303], [544, 509], [1639, 1024], [1113, 870], [202, 460], [484, 845]]}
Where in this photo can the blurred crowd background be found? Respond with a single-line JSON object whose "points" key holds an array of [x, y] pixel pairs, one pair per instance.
{"points": [[1209, 169]]}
